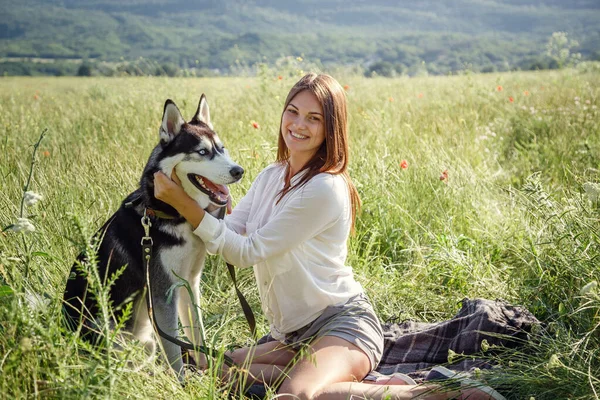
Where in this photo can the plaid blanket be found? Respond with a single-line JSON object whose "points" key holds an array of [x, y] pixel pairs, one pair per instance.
{"points": [[414, 347]]}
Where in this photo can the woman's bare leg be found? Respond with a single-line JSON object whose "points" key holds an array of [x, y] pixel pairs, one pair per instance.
{"points": [[329, 360], [264, 363]]}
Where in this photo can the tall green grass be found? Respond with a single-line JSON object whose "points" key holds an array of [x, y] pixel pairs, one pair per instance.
{"points": [[516, 217]]}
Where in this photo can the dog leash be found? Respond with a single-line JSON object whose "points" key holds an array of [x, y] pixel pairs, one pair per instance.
{"points": [[147, 256], [248, 314]]}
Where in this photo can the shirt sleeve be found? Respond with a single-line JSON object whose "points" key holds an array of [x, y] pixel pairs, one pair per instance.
{"points": [[315, 207], [236, 221]]}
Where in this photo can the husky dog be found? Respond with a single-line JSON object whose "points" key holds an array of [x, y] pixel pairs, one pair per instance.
{"points": [[194, 152]]}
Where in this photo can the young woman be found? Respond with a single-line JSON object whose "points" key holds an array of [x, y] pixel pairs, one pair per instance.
{"points": [[292, 226]]}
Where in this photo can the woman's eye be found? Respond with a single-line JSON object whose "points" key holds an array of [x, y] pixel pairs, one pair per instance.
{"points": [[291, 111], [203, 152]]}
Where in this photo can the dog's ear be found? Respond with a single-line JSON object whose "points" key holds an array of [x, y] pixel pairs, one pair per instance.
{"points": [[202, 113], [171, 122]]}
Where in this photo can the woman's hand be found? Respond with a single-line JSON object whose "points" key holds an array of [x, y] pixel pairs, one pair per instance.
{"points": [[169, 190]]}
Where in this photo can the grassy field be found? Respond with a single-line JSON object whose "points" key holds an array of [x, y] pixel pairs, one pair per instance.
{"points": [[498, 197]]}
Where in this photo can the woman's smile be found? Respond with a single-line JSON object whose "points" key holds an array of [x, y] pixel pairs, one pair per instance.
{"points": [[298, 136]]}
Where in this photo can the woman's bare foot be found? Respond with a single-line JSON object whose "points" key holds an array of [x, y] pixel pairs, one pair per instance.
{"points": [[394, 379]]}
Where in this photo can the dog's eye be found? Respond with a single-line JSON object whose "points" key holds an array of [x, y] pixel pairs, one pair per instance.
{"points": [[203, 152]]}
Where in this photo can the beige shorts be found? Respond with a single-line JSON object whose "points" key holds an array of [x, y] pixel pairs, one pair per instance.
{"points": [[355, 321]]}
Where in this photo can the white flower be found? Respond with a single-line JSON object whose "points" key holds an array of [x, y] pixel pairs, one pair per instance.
{"points": [[23, 225], [592, 190], [588, 288], [31, 198], [554, 362]]}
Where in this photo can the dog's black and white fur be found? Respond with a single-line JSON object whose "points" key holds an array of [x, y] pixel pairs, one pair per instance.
{"points": [[202, 164]]}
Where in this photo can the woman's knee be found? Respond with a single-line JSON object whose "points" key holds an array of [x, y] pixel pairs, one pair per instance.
{"points": [[239, 356], [296, 389]]}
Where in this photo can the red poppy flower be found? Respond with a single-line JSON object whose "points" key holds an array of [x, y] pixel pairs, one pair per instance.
{"points": [[391, 99], [510, 98], [499, 88], [526, 93], [46, 153], [420, 95], [255, 125], [404, 164], [444, 175], [346, 87]]}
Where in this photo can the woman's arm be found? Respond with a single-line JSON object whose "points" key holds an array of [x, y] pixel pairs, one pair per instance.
{"points": [[171, 192], [315, 207]]}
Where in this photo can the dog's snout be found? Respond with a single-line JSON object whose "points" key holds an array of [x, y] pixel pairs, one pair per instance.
{"points": [[237, 172]]}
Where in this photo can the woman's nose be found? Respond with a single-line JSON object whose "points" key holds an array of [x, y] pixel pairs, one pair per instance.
{"points": [[300, 123]]}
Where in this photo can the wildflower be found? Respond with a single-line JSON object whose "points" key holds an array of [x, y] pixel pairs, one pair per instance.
{"points": [[444, 175], [346, 87], [452, 356], [391, 99], [26, 344], [499, 88], [592, 190], [588, 288], [280, 77], [554, 361], [36, 97], [31, 198], [255, 125], [511, 99], [46, 153], [526, 93], [420, 95], [23, 225], [299, 59], [485, 346], [404, 164]]}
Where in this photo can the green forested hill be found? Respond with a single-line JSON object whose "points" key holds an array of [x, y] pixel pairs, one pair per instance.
{"points": [[439, 36]]}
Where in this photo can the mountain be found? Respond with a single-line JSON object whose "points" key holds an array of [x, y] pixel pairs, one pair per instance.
{"points": [[446, 35]]}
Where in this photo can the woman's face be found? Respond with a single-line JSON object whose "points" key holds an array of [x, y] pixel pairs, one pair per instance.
{"points": [[303, 125]]}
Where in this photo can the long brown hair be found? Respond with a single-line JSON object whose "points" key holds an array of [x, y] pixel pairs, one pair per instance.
{"points": [[332, 155]]}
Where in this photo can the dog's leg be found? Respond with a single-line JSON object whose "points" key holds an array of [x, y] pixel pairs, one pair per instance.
{"points": [[189, 312], [191, 317], [165, 316], [142, 328]]}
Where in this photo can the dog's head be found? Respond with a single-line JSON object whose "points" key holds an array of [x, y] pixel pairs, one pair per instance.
{"points": [[195, 152]]}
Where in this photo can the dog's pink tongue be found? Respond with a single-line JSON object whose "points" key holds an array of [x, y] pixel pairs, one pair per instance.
{"points": [[222, 189]]}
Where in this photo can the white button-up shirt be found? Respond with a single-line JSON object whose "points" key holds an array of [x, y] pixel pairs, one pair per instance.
{"points": [[298, 246]]}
